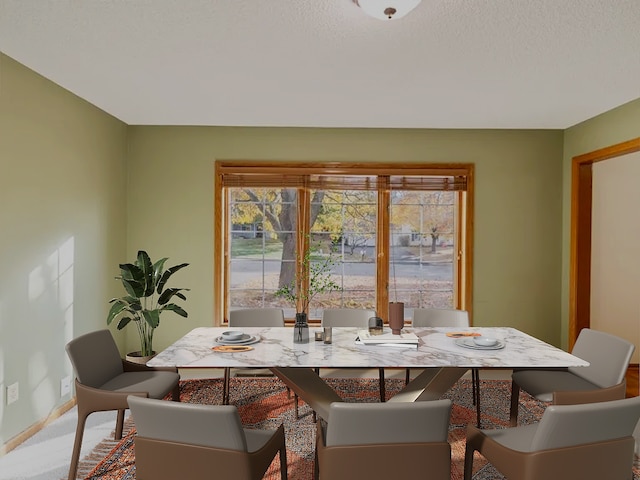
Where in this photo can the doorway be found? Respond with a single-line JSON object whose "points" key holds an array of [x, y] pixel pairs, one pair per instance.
{"points": [[581, 232]]}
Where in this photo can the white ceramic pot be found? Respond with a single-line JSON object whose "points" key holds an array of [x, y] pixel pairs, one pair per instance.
{"points": [[135, 357]]}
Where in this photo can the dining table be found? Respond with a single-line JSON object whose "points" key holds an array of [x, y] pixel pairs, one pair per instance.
{"points": [[443, 353]]}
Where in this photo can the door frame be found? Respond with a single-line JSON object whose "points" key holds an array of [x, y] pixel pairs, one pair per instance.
{"points": [[580, 249]]}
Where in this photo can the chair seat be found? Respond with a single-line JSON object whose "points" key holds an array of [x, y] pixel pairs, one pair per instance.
{"points": [[156, 383], [542, 383]]}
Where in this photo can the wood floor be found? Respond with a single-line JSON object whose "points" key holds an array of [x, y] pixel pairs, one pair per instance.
{"points": [[632, 381]]}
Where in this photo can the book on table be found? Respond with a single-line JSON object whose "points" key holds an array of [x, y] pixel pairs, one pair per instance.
{"points": [[405, 339]]}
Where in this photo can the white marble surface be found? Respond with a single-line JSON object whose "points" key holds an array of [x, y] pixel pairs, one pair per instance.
{"points": [[276, 349]]}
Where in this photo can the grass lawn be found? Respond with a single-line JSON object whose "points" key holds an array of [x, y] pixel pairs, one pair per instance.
{"points": [[253, 248]]}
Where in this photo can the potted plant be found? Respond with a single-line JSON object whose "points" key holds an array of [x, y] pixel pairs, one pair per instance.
{"points": [[313, 276], [146, 298]]}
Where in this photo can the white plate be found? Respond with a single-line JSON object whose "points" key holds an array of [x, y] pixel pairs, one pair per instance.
{"points": [[245, 340], [467, 342]]}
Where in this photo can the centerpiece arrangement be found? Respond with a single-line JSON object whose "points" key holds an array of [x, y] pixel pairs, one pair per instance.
{"points": [[146, 298], [312, 277]]}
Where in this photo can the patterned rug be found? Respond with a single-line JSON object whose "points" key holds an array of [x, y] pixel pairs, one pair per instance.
{"points": [[265, 403]]}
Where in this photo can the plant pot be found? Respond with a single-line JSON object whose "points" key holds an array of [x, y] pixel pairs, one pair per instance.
{"points": [[135, 357]]}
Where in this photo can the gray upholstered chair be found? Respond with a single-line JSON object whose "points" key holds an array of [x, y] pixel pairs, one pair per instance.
{"points": [[181, 440], [571, 442], [352, 317], [252, 317], [440, 317], [448, 317], [385, 440], [104, 380], [604, 379]]}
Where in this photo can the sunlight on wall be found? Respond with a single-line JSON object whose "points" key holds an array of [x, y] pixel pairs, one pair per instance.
{"points": [[51, 291], [36, 285], [65, 263]]}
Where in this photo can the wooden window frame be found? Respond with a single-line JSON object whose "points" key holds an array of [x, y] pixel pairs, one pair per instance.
{"points": [[301, 174]]}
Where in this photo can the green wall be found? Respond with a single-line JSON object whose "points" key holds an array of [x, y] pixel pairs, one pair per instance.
{"points": [[62, 231], [610, 128], [518, 217]]}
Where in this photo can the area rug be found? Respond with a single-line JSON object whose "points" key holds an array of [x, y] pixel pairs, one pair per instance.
{"points": [[265, 403]]}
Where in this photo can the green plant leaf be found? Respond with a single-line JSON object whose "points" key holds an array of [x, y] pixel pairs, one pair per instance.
{"points": [[144, 262], [168, 294], [116, 309], [152, 317], [176, 308], [167, 273], [158, 270], [133, 279], [123, 322]]}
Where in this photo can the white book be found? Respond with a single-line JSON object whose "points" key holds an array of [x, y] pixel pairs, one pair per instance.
{"points": [[388, 338]]}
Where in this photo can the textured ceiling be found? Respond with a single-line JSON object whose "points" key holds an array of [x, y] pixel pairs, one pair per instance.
{"points": [[324, 63]]}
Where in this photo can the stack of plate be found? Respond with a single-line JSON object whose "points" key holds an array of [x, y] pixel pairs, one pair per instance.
{"points": [[244, 339], [468, 342]]}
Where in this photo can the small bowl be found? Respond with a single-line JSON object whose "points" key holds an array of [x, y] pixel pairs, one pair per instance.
{"points": [[485, 341], [232, 335]]}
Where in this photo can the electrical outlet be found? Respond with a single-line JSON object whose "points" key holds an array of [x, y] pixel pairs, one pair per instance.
{"points": [[12, 393], [65, 386]]}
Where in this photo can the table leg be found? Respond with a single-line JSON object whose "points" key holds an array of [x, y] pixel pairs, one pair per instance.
{"points": [[309, 387], [431, 384]]}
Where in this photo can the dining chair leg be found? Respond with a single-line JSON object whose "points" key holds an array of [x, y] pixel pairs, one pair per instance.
{"points": [[316, 466], [515, 398], [77, 444], [407, 377], [468, 462], [475, 375], [383, 394], [119, 425], [283, 460], [473, 385], [225, 386]]}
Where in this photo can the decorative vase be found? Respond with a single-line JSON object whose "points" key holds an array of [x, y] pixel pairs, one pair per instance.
{"points": [[301, 329], [136, 357], [396, 317]]}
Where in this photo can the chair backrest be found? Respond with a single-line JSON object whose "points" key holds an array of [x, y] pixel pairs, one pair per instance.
{"points": [[384, 423], [440, 317], [347, 317], [256, 317], [607, 355], [205, 425], [567, 425], [95, 358]]}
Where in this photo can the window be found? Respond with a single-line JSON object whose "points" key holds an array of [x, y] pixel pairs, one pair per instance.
{"points": [[391, 234]]}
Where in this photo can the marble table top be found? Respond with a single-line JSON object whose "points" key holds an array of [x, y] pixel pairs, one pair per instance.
{"points": [[435, 349]]}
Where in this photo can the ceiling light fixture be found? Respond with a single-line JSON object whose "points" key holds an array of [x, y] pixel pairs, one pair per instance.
{"points": [[387, 9]]}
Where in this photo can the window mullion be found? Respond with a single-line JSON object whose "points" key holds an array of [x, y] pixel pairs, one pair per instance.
{"points": [[302, 243], [382, 254]]}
